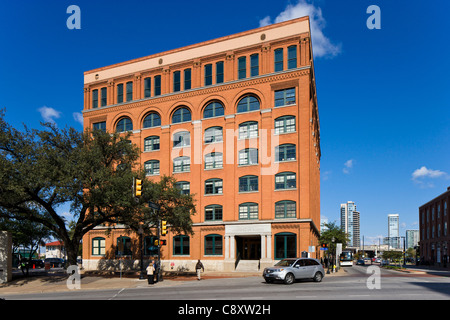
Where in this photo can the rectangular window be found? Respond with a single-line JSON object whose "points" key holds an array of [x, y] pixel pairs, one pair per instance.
{"points": [[208, 74], [285, 124], [219, 72], [242, 67], [103, 98], [279, 60], [147, 87], [254, 65], [187, 79], [292, 57], [99, 126], [182, 164], [181, 245], [248, 157], [182, 139], [151, 143], [248, 211], [95, 98], [157, 85], [120, 93], [213, 245], [129, 91], [285, 97], [176, 81]]}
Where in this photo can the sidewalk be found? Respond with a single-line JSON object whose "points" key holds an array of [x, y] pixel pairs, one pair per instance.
{"points": [[54, 282]]}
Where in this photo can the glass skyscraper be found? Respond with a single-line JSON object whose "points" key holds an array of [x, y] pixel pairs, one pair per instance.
{"points": [[350, 223]]}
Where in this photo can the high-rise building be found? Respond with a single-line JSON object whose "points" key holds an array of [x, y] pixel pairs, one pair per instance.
{"points": [[235, 121], [412, 238], [350, 223], [393, 231]]}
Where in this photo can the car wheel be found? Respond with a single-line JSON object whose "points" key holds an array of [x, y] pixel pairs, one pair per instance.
{"points": [[289, 278], [318, 277], [269, 280]]}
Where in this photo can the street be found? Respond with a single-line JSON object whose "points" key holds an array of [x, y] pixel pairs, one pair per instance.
{"points": [[352, 283]]}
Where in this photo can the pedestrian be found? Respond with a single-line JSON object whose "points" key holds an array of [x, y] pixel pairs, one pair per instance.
{"points": [[151, 272], [199, 267]]}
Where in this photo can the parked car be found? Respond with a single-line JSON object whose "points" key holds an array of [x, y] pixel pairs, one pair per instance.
{"points": [[55, 262], [360, 262], [291, 269], [37, 263]]}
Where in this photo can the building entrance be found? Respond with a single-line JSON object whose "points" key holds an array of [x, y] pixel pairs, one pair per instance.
{"points": [[248, 248]]}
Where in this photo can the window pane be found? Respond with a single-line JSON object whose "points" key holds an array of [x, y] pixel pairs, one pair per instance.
{"points": [[187, 79], [242, 68], [292, 57], [278, 59], [104, 98], [176, 81], [254, 65], [147, 87], [208, 74], [219, 72], [120, 93], [129, 91], [157, 85]]}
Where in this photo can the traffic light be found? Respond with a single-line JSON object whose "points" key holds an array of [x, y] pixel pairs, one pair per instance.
{"points": [[163, 227], [137, 187], [156, 242], [324, 245], [163, 242]]}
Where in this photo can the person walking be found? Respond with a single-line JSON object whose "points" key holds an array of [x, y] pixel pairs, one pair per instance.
{"points": [[199, 267], [151, 272]]}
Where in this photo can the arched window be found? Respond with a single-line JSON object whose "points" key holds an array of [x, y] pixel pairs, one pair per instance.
{"points": [[213, 244], [248, 156], [285, 124], [124, 124], [285, 245], [181, 115], [213, 212], [248, 211], [98, 246], [213, 109], [214, 160], [183, 186], [182, 164], [248, 183], [182, 139], [285, 180], [248, 130], [151, 143], [285, 209], [214, 186], [151, 167], [285, 152], [214, 134], [248, 103], [152, 120]]}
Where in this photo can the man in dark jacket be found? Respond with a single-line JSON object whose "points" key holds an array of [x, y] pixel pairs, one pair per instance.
{"points": [[199, 267]]}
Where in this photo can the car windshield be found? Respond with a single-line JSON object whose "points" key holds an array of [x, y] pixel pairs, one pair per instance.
{"points": [[285, 263]]}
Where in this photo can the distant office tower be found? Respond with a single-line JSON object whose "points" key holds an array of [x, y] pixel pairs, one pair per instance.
{"points": [[412, 238], [350, 223], [393, 231]]}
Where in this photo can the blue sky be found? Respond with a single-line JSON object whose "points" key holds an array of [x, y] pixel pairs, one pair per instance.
{"points": [[383, 94]]}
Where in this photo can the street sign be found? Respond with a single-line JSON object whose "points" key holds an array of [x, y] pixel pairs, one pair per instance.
{"points": [[323, 249]]}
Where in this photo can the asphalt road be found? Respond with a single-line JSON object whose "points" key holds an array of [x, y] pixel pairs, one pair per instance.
{"points": [[356, 283]]}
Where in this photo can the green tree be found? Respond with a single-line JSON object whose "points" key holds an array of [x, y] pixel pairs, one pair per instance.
{"points": [[93, 171]]}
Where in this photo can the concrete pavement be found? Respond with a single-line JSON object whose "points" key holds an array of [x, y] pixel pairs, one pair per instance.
{"points": [[57, 281]]}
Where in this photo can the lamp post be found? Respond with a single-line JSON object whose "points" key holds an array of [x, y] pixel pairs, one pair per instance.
{"points": [[141, 245]]}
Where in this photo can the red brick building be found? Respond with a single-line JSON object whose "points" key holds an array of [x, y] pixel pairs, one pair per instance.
{"points": [[434, 234], [235, 121]]}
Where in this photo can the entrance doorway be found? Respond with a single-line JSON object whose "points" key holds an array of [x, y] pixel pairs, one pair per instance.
{"points": [[248, 248]]}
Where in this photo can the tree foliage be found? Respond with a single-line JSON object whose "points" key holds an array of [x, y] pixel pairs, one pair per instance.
{"points": [[93, 171]]}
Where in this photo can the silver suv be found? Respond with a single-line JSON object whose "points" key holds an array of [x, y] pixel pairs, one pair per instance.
{"points": [[289, 270]]}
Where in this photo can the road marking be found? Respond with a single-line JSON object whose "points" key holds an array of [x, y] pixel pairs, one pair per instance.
{"points": [[117, 294]]}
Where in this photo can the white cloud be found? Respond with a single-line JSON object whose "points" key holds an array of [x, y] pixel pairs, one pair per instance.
{"points": [[422, 175], [424, 172], [78, 117], [49, 114], [348, 165], [322, 46]]}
